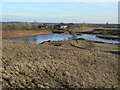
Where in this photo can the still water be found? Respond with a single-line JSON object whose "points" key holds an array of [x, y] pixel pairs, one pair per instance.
{"points": [[56, 37]]}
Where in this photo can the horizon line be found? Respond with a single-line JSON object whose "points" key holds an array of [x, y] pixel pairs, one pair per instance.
{"points": [[63, 22]]}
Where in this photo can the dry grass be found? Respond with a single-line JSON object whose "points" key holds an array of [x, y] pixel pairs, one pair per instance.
{"points": [[43, 66], [21, 33]]}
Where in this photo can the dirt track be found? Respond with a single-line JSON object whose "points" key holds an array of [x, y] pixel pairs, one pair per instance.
{"points": [[50, 66]]}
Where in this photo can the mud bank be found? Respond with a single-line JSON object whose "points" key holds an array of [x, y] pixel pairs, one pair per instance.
{"points": [[109, 37]]}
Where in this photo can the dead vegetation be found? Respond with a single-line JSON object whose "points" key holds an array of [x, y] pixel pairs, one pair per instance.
{"points": [[43, 66]]}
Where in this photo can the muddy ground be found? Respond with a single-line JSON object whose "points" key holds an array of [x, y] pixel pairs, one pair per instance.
{"points": [[109, 37], [67, 64]]}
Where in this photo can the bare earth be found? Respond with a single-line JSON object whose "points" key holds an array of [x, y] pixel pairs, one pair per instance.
{"points": [[67, 64]]}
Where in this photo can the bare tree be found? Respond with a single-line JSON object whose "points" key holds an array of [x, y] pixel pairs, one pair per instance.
{"points": [[34, 25]]}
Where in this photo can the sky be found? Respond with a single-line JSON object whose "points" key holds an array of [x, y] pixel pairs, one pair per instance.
{"points": [[56, 12], [59, 0]]}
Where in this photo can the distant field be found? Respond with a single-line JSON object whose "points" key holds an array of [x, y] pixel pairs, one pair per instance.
{"points": [[21, 33]]}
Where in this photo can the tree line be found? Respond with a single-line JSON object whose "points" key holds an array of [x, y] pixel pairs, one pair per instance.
{"points": [[44, 26]]}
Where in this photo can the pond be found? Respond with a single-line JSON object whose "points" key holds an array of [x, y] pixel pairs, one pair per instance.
{"points": [[58, 37]]}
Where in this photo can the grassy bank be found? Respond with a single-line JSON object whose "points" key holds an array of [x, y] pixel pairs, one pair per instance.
{"points": [[21, 33]]}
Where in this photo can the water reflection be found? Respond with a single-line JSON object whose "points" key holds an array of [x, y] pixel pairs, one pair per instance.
{"points": [[94, 38], [56, 37]]}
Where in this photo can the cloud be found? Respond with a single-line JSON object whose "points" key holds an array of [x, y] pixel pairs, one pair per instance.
{"points": [[91, 11], [59, 0], [54, 18]]}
